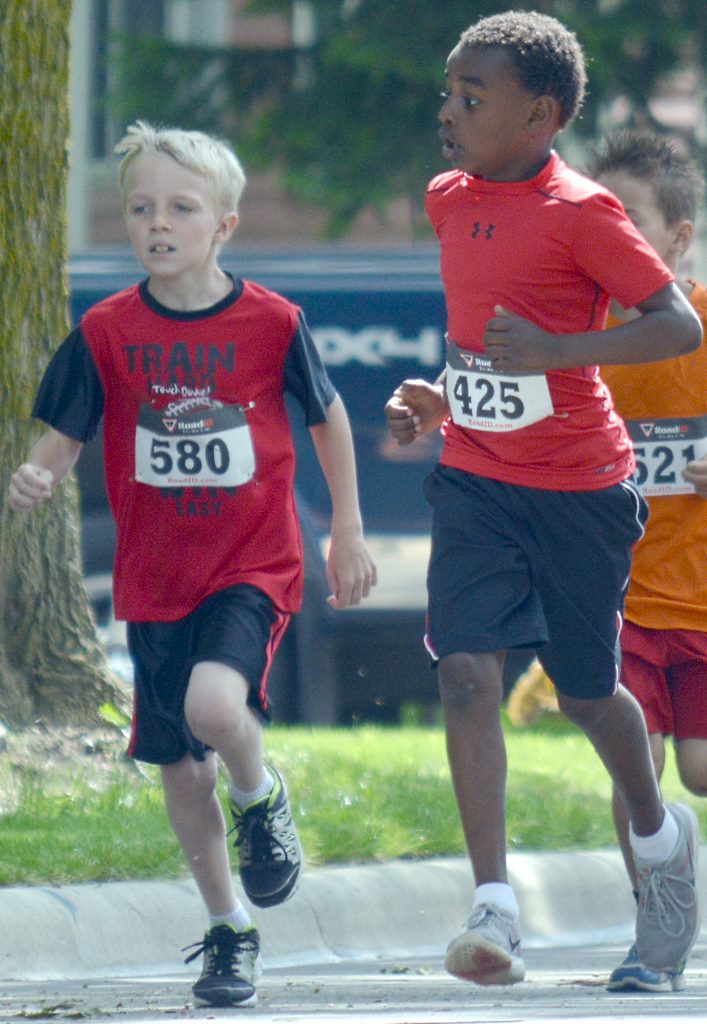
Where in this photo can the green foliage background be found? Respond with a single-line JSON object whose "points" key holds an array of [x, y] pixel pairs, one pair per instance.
{"points": [[349, 122]]}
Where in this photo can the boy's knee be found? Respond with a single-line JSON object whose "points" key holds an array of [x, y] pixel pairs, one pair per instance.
{"points": [[213, 724], [698, 787], [691, 758], [584, 713], [465, 679], [189, 777], [592, 712], [215, 705]]}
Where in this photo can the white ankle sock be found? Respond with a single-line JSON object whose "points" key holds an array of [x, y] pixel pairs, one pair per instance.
{"points": [[656, 849], [243, 797], [498, 893], [238, 918]]}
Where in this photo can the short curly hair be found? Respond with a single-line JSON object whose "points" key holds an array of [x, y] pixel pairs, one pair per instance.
{"points": [[676, 179], [547, 56]]}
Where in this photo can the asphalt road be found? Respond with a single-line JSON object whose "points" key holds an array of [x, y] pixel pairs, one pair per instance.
{"points": [[561, 984], [356, 943]]}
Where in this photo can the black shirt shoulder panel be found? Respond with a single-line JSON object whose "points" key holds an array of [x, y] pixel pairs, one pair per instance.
{"points": [[70, 397], [305, 376]]}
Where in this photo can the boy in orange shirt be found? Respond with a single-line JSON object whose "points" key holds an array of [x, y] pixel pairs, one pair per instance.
{"points": [[664, 636]]}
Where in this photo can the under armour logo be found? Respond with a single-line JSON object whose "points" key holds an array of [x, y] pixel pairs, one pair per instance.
{"points": [[479, 230]]}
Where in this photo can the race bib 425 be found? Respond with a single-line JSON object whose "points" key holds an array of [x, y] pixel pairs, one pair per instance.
{"points": [[481, 398]]}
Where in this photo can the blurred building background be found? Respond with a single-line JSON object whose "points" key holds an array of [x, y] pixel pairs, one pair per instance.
{"points": [[270, 216]]}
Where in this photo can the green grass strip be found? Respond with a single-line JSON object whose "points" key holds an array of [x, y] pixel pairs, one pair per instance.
{"points": [[363, 794]]}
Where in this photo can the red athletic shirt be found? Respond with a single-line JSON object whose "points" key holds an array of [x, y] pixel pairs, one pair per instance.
{"points": [[199, 457], [551, 249]]}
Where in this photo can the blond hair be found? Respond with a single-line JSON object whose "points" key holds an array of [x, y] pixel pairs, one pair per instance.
{"points": [[200, 153]]}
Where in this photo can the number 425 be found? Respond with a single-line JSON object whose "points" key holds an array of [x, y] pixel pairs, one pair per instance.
{"points": [[511, 406]]}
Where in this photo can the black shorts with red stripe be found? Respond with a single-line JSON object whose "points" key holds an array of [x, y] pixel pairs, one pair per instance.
{"points": [[239, 627]]}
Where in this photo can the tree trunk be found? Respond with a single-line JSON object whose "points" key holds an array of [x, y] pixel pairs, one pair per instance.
{"points": [[52, 665]]}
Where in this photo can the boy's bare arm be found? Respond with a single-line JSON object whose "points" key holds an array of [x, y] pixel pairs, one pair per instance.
{"points": [[667, 327], [52, 458], [350, 569]]}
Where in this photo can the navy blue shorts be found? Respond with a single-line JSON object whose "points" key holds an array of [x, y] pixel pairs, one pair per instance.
{"points": [[522, 567], [239, 627]]}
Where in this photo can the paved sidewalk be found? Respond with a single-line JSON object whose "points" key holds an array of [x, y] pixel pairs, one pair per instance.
{"points": [[403, 908]]}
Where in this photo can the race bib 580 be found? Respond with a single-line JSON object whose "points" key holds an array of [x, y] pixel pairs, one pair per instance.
{"points": [[194, 444]]}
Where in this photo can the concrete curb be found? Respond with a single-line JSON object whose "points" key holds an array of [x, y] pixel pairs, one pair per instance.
{"points": [[398, 909]]}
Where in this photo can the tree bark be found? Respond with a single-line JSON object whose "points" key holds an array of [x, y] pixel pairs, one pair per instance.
{"points": [[52, 666]]}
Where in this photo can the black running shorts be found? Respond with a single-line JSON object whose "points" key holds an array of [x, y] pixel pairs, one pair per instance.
{"points": [[522, 567], [239, 627]]}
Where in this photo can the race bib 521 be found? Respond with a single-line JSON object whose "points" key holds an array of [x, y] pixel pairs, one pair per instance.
{"points": [[663, 448]]}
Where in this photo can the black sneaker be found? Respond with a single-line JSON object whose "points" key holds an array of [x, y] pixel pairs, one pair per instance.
{"points": [[232, 965], [269, 853]]}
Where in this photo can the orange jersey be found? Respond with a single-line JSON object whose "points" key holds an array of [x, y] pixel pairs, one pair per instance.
{"points": [[668, 588]]}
